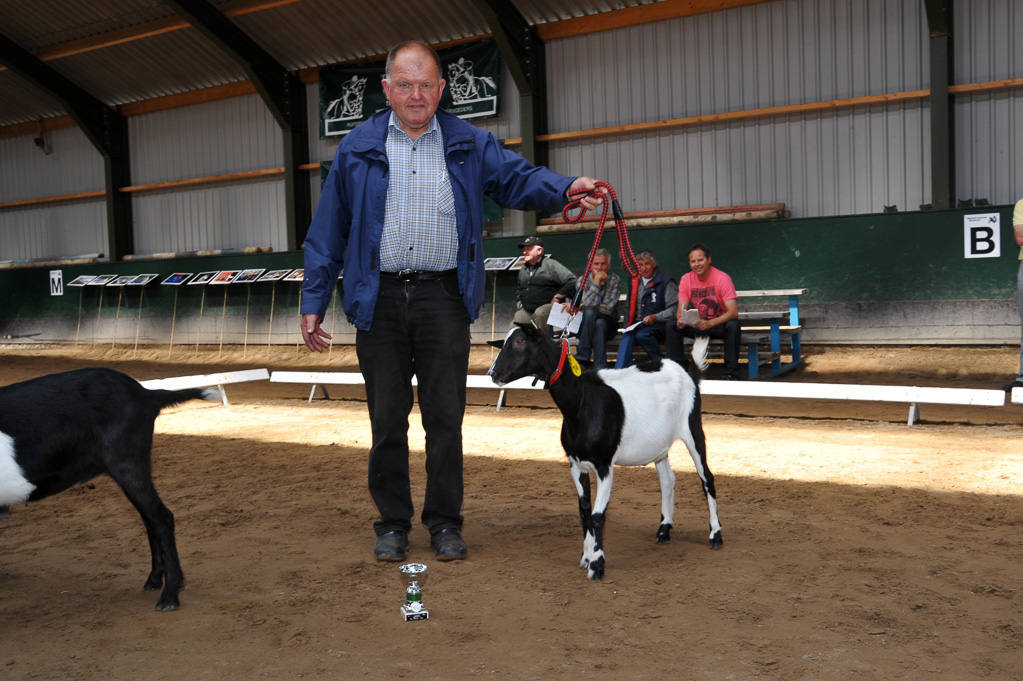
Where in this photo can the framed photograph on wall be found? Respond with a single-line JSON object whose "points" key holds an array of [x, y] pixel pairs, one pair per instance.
{"points": [[274, 275], [203, 278], [142, 279], [224, 277], [248, 276], [176, 279]]}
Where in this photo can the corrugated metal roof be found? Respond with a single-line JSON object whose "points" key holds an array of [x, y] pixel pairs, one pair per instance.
{"points": [[22, 101], [299, 34], [318, 32], [44, 23], [161, 65]]}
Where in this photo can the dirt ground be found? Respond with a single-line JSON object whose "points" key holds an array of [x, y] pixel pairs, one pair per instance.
{"points": [[855, 547]]}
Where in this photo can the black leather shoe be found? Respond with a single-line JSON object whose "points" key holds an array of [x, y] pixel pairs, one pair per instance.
{"points": [[449, 545], [392, 546], [1009, 386]]}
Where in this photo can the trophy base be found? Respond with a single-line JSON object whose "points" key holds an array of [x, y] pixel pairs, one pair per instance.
{"points": [[414, 616]]}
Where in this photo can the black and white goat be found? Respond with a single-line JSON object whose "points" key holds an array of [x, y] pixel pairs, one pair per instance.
{"points": [[628, 417], [60, 430]]}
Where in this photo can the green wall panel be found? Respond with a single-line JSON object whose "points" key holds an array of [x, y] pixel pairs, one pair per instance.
{"points": [[874, 258], [865, 258]]}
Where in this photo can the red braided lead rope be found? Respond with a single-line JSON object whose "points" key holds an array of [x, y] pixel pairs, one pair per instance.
{"points": [[624, 246]]}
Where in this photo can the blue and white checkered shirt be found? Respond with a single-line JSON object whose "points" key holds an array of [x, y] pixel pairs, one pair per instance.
{"points": [[419, 224]]}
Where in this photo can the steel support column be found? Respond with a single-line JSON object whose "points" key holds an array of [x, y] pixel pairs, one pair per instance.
{"points": [[523, 51], [942, 72]]}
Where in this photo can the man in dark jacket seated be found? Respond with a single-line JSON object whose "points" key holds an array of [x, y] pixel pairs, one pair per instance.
{"points": [[542, 283], [653, 297]]}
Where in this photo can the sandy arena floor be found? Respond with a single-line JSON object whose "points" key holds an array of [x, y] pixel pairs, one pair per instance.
{"points": [[855, 547]]}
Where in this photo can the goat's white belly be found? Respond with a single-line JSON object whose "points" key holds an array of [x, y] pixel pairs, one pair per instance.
{"points": [[648, 433], [14, 488], [657, 406]]}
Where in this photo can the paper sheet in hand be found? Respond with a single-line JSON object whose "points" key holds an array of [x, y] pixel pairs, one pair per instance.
{"points": [[559, 318], [690, 316]]}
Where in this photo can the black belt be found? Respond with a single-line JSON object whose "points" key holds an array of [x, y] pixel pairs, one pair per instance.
{"points": [[416, 276]]}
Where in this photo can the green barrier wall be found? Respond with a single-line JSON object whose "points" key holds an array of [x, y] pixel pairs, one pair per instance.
{"points": [[892, 261], [878, 258]]}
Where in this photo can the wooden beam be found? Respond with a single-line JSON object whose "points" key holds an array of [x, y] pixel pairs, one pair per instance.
{"points": [[34, 127], [986, 86], [211, 179], [147, 30], [24, 203], [786, 110], [633, 16]]}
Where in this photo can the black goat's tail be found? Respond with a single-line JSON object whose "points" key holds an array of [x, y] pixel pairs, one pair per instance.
{"points": [[168, 398], [699, 364]]}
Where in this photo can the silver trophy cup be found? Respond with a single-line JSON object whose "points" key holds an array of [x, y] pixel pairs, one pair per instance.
{"points": [[413, 576]]}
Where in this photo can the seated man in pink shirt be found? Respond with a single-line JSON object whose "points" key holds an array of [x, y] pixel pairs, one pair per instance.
{"points": [[712, 292]]}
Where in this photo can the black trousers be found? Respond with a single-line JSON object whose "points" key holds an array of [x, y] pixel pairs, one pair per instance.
{"points": [[419, 328], [730, 332]]}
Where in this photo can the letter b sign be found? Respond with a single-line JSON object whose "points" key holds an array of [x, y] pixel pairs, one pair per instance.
{"points": [[982, 236]]}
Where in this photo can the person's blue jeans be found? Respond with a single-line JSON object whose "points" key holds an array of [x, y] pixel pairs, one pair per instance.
{"points": [[420, 329], [647, 336], [594, 331]]}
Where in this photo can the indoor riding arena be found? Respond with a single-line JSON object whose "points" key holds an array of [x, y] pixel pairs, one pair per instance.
{"points": [[852, 165]]}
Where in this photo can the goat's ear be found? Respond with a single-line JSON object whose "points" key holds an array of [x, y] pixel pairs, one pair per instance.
{"points": [[530, 327], [496, 343]]}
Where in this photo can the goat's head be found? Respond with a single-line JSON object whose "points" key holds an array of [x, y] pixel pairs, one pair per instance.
{"points": [[525, 351]]}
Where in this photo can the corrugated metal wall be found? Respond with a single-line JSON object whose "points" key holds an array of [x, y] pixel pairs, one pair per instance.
{"points": [[222, 137], [73, 166], [779, 53], [785, 52], [59, 230], [989, 125]]}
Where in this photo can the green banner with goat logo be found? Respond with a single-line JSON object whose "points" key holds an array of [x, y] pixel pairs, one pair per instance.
{"points": [[351, 94]]}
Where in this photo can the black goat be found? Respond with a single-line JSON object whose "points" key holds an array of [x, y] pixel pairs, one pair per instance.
{"points": [[628, 417], [60, 430]]}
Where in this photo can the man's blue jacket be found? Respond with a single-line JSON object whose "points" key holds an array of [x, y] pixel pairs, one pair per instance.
{"points": [[349, 219]]}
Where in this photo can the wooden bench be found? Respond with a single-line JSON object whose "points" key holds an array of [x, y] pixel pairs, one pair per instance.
{"points": [[779, 325], [763, 333]]}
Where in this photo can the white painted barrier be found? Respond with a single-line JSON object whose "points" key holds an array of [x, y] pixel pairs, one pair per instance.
{"points": [[870, 393], [207, 380], [914, 396], [1017, 395]]}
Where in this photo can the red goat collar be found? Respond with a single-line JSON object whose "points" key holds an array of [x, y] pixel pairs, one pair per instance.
{"points": [[561, 363]]}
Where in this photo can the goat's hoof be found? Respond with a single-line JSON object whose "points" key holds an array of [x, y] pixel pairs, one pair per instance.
{"points": [[663, 534], [166, 604], [716, 542], [153, 584], [584, 562], [596, 570]]}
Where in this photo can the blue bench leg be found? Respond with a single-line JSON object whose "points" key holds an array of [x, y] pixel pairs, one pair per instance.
{"points": [[775, 347], [753, 360], [797, 354]]}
